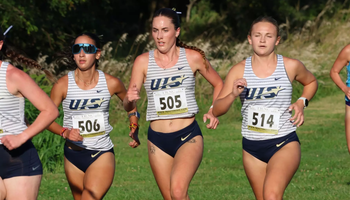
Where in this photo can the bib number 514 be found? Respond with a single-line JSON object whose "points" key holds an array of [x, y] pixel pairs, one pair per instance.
{"points": [[262, 121]]}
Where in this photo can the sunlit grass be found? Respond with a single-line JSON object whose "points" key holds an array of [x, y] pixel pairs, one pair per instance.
{"points": [[323, 172]]}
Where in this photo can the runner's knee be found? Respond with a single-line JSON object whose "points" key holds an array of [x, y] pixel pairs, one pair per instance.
{"points": [[90, 194], [177, 191], [178, 194], [272, 195]]}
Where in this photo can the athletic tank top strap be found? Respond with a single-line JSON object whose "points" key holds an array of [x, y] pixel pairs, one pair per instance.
{"points": [[88, 110], [11, 108], [171, 91], [265, 103]]}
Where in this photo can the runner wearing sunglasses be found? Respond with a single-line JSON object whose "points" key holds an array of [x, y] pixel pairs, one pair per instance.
{"points": [[20, 166], [85, 94], [87, 48]]}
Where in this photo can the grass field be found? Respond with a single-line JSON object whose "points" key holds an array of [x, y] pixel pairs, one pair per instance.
{"points": [[323, 173]]}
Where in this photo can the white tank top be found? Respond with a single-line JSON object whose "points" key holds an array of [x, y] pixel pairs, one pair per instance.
{"points": [[265, 104], [170, 92], [11, 108], [88, 110]]}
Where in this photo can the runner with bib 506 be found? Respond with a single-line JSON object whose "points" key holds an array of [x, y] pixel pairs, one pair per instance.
{"points": [[85, 94]]}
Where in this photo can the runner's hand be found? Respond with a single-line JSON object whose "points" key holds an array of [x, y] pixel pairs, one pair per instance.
{"points": [[13, 141], [134, 134], [298, 118], [72, 134], [347, 92], [238, 86], [213, 121], [133, 94]]}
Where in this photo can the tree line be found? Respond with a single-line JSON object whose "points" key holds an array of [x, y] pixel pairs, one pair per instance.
{"points": [[48, 26]]}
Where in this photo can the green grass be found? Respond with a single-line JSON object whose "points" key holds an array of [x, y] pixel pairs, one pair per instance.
{"points": [[323, 172]]}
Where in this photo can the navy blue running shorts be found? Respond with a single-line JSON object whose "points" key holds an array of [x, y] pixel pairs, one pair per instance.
{"points": [[171, 142], [23, 161], [82, 159], [265, 149]]}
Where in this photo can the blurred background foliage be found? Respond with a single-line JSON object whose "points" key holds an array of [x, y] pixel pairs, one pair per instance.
{"points": [[312, 31], [42, 26]]}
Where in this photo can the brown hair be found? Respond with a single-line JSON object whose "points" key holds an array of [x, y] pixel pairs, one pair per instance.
{"points": [[264, 19], [19, 58], [171, 14]]}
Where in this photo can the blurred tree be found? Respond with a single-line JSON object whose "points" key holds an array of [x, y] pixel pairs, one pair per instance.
{"points": [[48, 26]]}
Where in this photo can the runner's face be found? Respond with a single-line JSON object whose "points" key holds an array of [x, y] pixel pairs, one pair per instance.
{"points": [[164, 33], [85, 61], [263, 38]]}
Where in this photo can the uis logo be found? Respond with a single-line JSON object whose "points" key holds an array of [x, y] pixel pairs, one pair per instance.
{"points": [[262, 93], [80, 104], [168, 82]]}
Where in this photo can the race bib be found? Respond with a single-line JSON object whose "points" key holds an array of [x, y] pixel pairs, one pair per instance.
{"points": [[1, 129], [90, 125], [263, 120], [170, 102]]}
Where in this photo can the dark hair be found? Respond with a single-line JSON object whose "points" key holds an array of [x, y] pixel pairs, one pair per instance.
{"points": [[2, 34], [21, 59], [171, 14], [67, 57], [265, 19]]}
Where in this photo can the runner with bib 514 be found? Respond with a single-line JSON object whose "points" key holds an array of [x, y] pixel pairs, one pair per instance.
{"points": [[271, 148]]}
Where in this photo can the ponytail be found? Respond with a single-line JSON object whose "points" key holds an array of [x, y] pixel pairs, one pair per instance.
{"points": [[181, 44], [19, 58]]}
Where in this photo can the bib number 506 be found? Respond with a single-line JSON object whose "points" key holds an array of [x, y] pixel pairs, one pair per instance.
{"points": [[88, 126]]}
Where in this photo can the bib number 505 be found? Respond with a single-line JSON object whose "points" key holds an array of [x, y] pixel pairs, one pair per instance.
{"points": [[168, 102]]}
